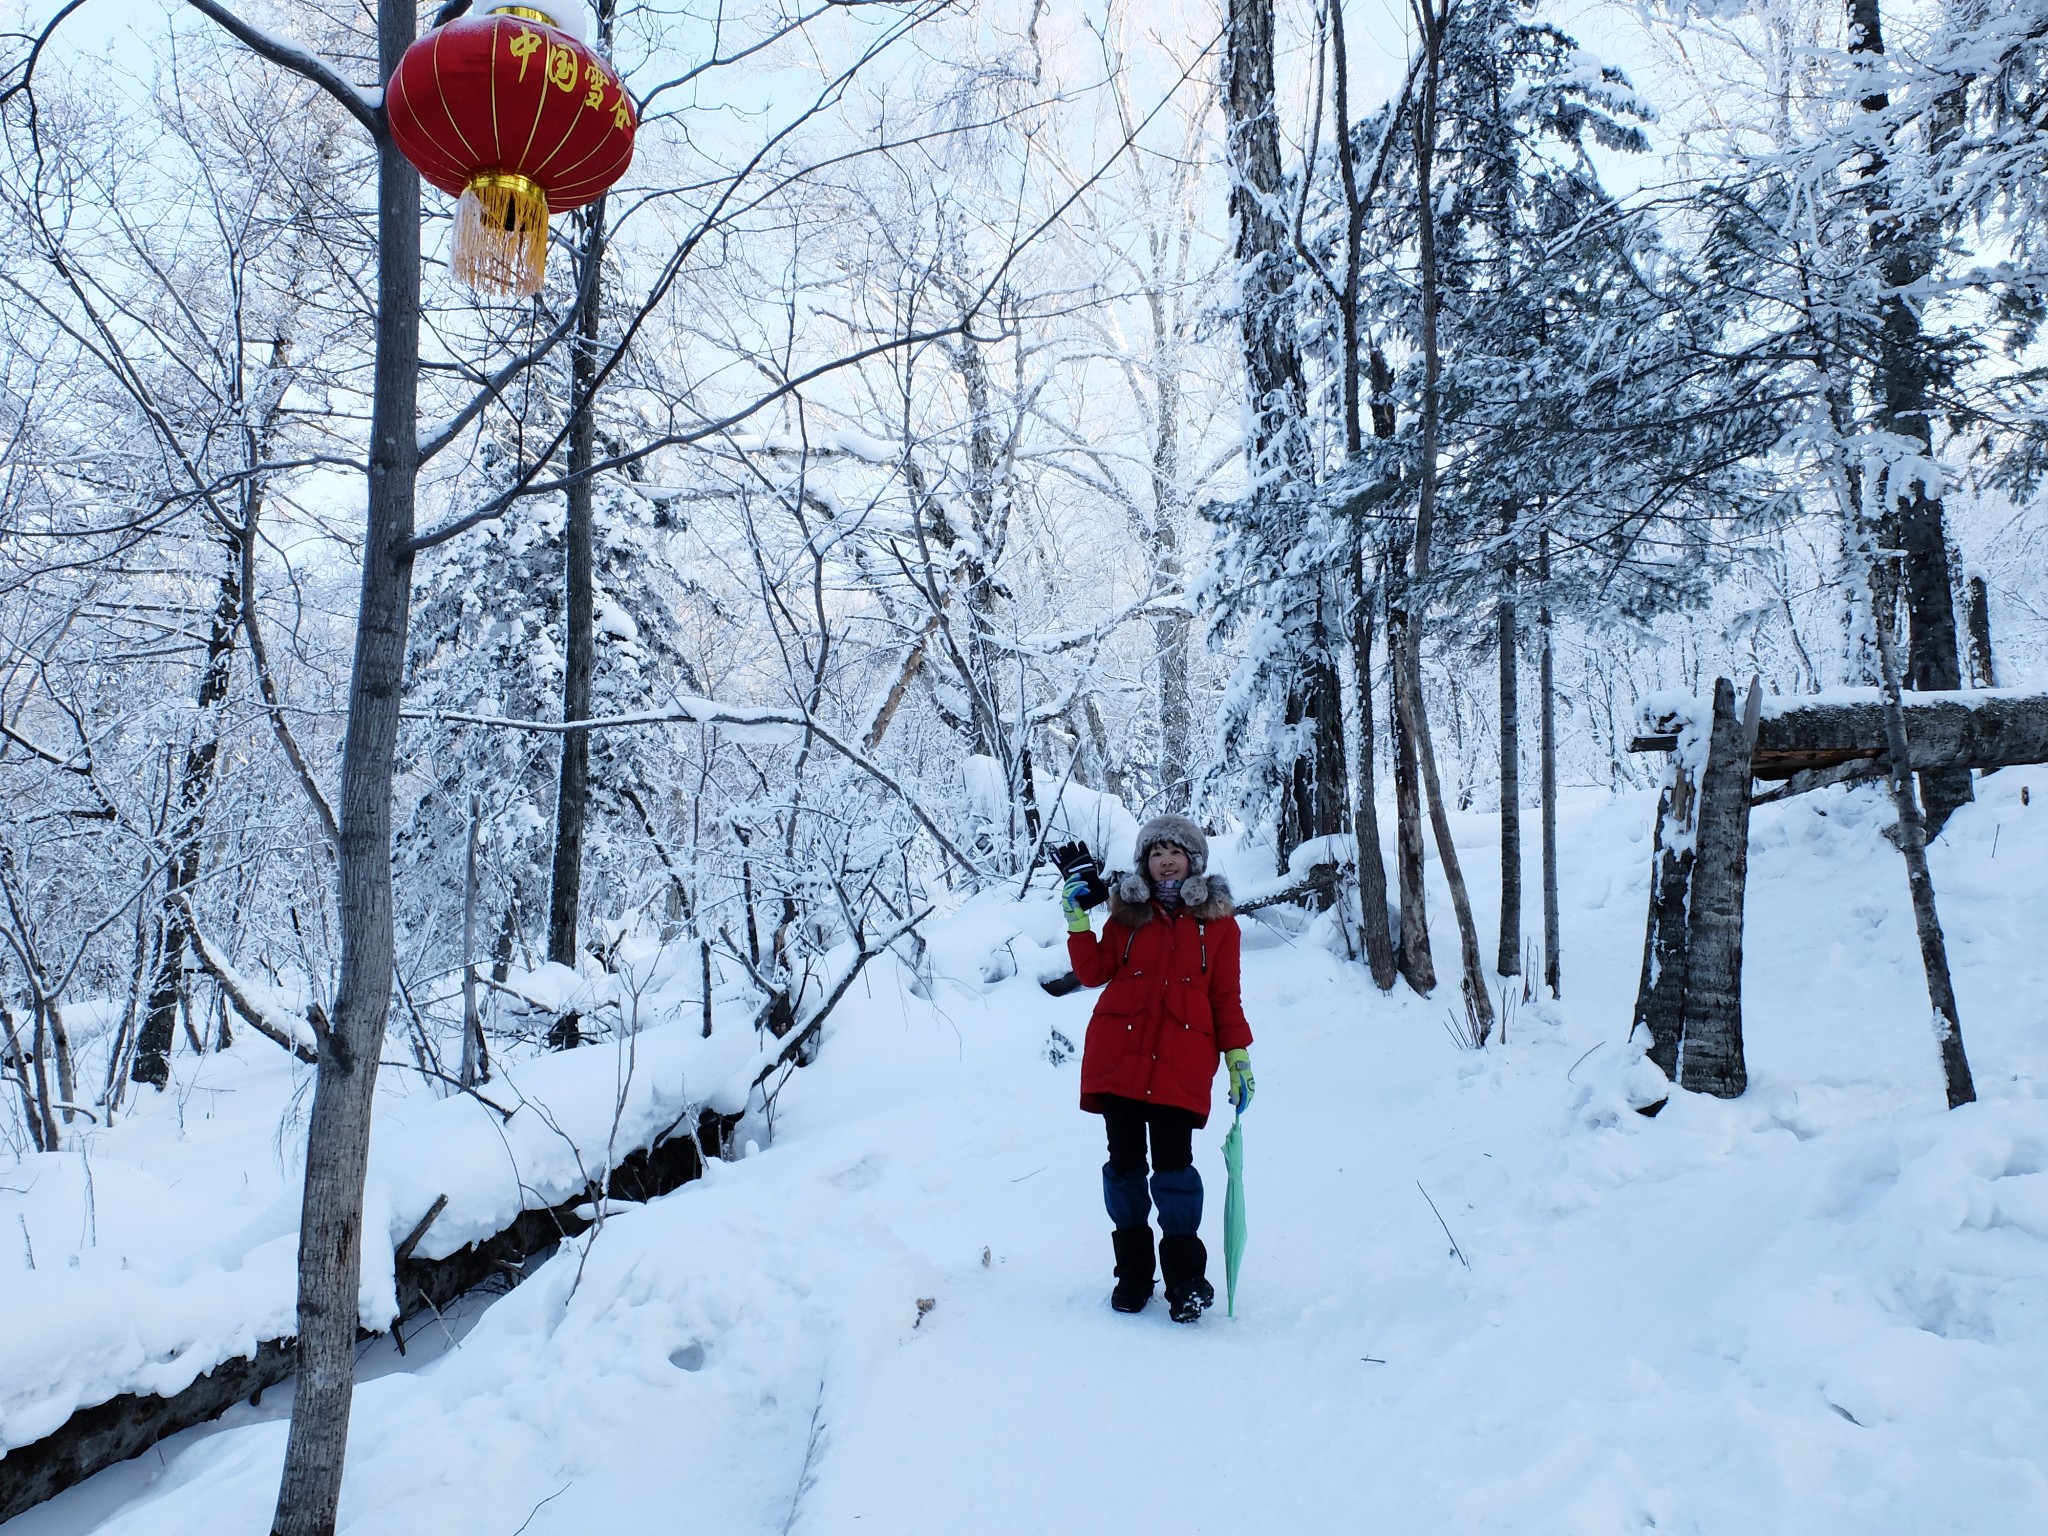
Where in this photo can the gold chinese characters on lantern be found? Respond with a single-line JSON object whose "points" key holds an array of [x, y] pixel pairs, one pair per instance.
{"points": [[517, 120]]}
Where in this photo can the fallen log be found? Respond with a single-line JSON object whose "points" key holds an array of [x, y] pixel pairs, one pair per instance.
{"points": [[1982, 729], [97, 1437]]}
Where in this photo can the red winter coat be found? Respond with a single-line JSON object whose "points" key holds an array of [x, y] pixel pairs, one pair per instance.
{"points": [[1171, 1007]]}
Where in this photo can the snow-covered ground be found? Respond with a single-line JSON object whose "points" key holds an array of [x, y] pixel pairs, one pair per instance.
{"points": [[1819, 1308]]}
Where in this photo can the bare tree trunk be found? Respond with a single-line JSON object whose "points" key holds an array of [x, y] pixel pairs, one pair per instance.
{"points": [[1660, 993], [1508, 956], [39, 1009], [1710, 1058], [579, 625], [1977, 610], [1905, 250], [1414, 960], [1170, 631], [1476, 1000], [1546, 686], [1332, 771], [1314, 792], [15, 1056], [476, 1067], [1912, 840], [195, 786], [1176, 713], [338, 1137], [1098, 742], [1474, 985], [1365, 821]]}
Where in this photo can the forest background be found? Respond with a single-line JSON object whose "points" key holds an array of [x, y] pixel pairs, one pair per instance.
{"points": [[1303, 417]]}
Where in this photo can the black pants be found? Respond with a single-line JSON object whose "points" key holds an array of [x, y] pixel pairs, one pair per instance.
{"points": [[1176, 1186]]}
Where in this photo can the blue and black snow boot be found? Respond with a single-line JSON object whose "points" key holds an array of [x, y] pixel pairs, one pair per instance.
{"points": [[1184, 1264], [1134, 1268]]}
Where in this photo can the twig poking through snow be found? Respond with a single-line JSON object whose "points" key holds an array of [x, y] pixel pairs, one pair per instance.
{"points": [[543, 1504], [1456, 1252], [803, 1477], [1582, 1059]]}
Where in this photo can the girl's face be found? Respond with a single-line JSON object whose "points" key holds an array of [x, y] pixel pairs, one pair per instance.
{"points": [[1166, 861]]}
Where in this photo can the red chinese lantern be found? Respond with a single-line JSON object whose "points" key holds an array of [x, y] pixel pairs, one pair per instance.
{"points": [[517, 119]]}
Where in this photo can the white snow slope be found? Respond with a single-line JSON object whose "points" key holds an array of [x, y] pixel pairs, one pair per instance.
{"points": [[1819, 1308]]}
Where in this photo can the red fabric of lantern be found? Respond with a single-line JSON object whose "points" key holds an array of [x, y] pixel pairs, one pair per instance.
{"points": [[518, 120]]}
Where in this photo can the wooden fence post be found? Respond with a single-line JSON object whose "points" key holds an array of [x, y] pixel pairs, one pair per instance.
{"points": [[1660, 996], [1710, 1042]]}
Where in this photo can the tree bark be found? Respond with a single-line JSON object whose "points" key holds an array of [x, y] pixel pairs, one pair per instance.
{"points": [[1983, 671], [1477, 1002], [1365, 820], [1312, 785], [1170, 631], [1416, 964], [476, 1062], [195, 786], [338, 1136], [1508, 957], [1951, 731], [1710, 1058], [1660, 993], [1912, 840], [1546, 687], [579, 625], [1905, 252]]}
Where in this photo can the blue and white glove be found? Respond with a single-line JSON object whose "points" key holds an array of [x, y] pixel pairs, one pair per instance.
{"points": [[1242, 1083], [1071, 892]]}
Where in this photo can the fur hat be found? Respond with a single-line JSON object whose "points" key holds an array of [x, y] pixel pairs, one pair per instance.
{"points": [[1206, 897], [1180, 832], [1203, 894]]}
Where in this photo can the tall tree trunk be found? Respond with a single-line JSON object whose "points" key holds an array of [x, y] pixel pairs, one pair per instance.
{"points": [[1170, 631], [1912, 840], [1312, 784], [1905, 251], [1508, 957], [1360, 363], [1710, 1054], [1477, 1003], [1660, 992], [1365, 820], [1546, 686], [1977, 610], [338, 1136], [1332, 772], [195, 787], [476, 1064], [579, 625], [1416, 964]]}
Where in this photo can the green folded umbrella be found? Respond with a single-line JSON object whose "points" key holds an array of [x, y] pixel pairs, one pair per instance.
{"points": [[1233, 1210]]}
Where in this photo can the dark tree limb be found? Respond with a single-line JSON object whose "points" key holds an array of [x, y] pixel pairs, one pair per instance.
{"points": [[300, 62]]}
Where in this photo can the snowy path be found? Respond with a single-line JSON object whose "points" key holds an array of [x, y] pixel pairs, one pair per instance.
{"points": [[1821, 1309]]}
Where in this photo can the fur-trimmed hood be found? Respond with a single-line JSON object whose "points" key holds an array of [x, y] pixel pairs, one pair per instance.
{"points": [[1204, 897]]}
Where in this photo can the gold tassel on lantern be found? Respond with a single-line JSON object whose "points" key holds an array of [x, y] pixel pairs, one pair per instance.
{"points": [[501, 234]]}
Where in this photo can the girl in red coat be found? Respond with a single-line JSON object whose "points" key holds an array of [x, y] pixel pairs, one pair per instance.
{"points": [[1168, 961]]}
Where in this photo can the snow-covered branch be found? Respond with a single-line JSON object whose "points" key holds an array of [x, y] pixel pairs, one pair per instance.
{"points": [[263, 1008], [365, 107]]}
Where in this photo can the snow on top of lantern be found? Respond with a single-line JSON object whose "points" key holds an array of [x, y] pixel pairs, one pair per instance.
{"points": [[574, 17]]}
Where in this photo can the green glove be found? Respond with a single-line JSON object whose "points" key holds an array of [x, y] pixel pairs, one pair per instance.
{"points": [[1241, 1082], [1077, 920]]}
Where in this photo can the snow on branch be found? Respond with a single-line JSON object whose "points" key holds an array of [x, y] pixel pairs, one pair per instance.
{"points": [[263, 1008], [364, 106]]}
